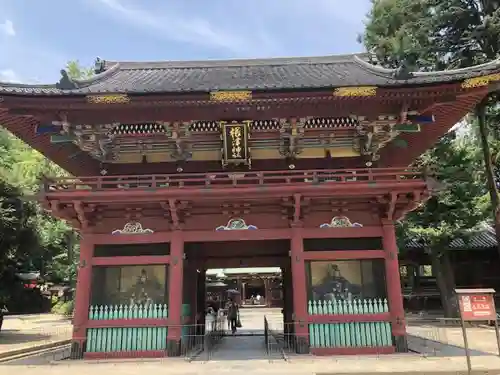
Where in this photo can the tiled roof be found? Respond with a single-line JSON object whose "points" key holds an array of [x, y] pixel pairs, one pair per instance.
{"points": [[253, 74], [482, 239]]}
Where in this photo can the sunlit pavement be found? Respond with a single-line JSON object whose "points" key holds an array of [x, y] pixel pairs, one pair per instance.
{"points": [[406, 364], [245, 354], [21, 332]]}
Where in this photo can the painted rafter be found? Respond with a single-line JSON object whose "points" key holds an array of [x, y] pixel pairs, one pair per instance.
{"points": [[236, 208]]}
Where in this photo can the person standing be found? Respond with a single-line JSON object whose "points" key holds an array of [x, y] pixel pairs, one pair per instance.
{"points": [[232, 316], [258, 299]]}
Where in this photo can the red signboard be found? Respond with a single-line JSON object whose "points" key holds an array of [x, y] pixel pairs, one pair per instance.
{"points": [[477, 307]]}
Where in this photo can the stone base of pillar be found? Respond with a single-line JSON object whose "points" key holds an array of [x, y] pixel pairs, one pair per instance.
{"points": [[401, 344], [77, 349], [173, 348]]}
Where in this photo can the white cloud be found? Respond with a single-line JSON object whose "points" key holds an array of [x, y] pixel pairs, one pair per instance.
{"points": [[7, 27], [259, 28], [29, 60], [8, 75], [181, 26]]}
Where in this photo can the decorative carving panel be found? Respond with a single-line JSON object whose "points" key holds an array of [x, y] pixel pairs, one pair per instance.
{"points": [[138, 129]]}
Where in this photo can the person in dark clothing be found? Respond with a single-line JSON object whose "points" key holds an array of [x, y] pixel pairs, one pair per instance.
{"points": [[232, 316]]}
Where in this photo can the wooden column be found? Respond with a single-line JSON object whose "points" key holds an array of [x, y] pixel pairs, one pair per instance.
{"points": [[82, 297], [175, 285], [394, 293], [299, 283]]}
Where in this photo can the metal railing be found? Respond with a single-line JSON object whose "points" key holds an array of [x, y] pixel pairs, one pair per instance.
{"points": [[227, 179], [266, 335]]}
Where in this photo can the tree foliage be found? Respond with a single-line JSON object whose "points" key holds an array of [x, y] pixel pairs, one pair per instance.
{"points": [[30, 238], [457, 210], [77, 71], [433, 34], [430, 35]]}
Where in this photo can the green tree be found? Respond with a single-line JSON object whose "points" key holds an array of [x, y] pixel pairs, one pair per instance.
{"points": [[76, 71], [31, 239], [455, 211], [444, 34]]}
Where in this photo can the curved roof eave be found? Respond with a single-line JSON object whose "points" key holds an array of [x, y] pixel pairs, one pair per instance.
{"points": [[275, 74]]}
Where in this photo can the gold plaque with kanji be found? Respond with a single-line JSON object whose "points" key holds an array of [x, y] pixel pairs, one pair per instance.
{"points": [[235, 143]]}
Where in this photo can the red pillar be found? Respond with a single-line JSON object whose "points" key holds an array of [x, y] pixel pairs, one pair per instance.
{"points": [[299, 284], [175, 294], [394, 294], [82, 296]]}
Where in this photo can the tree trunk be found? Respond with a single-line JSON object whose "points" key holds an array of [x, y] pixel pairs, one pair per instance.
{"points": [[490, 174], [449, 276], [439, 271]]}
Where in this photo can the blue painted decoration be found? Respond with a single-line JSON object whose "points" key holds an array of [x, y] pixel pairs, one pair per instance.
{"points": [[236, 224], [421, 119], [47, 129], [340, 222]]}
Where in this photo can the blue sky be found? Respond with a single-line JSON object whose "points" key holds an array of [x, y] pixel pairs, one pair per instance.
{"points": [[37, 38]]}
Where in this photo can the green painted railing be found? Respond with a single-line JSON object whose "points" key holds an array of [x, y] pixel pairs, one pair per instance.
{"points": [[110, 312], [105, 340], [349, 334], [122, 339]]}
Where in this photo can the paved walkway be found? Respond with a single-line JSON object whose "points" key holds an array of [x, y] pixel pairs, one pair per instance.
{"points": [[407, 364], [22, 332], [479, 339], [246, 354], [240, 348]]}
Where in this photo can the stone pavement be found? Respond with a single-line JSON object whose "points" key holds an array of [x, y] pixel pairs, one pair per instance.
{"points": [[241, 348], [27, 332], [252, 319], [479, 338], [392, 364], [245, 354]]}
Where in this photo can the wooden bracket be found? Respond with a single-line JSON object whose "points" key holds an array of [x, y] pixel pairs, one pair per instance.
{"points": [[412, 205], [403, 116], [57, 211], [392, 206], [64, 121], [80, 214], [174, 215], [296, 209]]}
